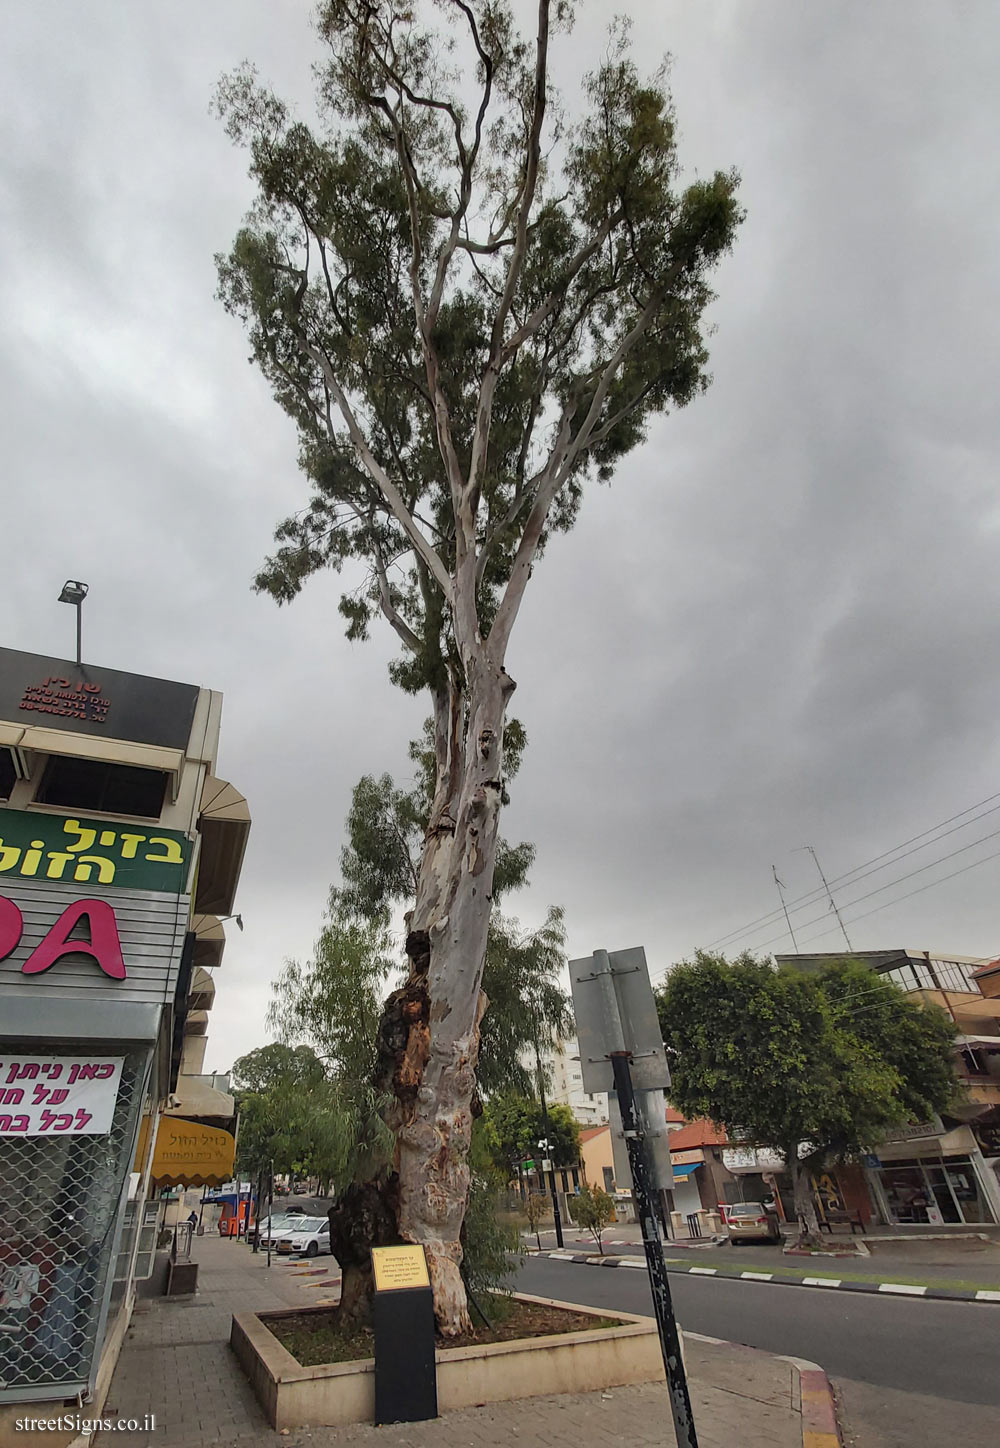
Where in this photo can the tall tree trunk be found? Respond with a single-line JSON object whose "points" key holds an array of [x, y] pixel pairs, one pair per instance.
{"points": [[805, 1207], [363, 1216], [430, 1029]]}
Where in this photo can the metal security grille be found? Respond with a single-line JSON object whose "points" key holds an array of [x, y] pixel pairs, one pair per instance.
{"points": [[60, 1205]]}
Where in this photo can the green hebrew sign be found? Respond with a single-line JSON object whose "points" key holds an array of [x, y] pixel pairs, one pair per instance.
{"points": [[92, 852]]}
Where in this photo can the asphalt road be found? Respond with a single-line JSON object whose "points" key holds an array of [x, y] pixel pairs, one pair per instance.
{"points": [[906, 1370]]}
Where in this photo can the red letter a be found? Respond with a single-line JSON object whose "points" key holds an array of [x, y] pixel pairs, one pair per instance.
{"points": [[11, 925], [104, 944]]}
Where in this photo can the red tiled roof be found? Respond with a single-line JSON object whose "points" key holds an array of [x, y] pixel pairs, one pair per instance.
{"points": [[697, 1133], [589, 1132], [988, 968]]}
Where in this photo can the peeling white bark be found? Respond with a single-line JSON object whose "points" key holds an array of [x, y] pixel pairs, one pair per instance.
{"points": [[454, 911]]}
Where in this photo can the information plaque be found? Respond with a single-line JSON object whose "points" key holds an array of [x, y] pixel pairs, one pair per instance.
{"points": [[398, 1268], [405, 1364]]}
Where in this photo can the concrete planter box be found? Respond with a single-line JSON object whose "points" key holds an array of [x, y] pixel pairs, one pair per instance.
{"points": [[293, 1396]]}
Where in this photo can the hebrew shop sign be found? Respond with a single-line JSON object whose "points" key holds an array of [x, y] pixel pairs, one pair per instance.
{"points": [[58, 1095]]}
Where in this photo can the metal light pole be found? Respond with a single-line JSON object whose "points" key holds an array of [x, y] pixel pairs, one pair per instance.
{"points": [[75, 592], [556, 1217]]}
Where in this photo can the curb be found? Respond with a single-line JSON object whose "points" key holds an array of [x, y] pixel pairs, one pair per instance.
{"points": [[835, 1284], [818, 1405]]}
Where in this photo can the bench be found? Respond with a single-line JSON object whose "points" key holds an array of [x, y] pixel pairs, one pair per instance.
{"points": [[852, 1219]]}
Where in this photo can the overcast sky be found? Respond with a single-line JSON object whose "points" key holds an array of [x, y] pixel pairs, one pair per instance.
{"points": [[779, 626]]}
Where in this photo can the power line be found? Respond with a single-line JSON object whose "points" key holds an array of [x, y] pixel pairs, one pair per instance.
{"points": [[763, 921], [911, 874], [919, 891]]}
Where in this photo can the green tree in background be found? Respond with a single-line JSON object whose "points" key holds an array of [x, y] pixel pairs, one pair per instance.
{"points": [[593, 1210], [471, 307], [517, 1124], [289, 1120], [816, 1066]]}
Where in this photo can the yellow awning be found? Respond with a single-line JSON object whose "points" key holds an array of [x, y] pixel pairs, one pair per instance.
{"points": [[190, 1155]]}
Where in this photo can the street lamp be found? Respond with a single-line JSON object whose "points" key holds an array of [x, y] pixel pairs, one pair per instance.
{"points": [[237, 918], [74, 592], [556, 1217]]}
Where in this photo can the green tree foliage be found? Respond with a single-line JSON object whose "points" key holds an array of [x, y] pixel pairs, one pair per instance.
{"points": [[593, 1209], [492, 1246], [816, 1066], [387, 825], [289, 1119], [418, 279], [334, 1002], [516, 1124]]}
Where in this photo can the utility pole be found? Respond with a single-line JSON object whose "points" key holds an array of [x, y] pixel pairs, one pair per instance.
{"points": [[829, 896], [781, 897]]}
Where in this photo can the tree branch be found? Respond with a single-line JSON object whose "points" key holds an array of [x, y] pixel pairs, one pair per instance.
{"points": [[381, 478]]}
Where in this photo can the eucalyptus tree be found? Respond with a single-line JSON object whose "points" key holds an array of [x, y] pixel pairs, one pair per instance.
{"points": [[471, 305]]}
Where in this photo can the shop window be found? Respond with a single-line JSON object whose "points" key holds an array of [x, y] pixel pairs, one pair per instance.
{"points": [[8, 774], [93, 784]]}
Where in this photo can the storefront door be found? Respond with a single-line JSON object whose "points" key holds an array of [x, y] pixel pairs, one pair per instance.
{"points": [[939, 1193]]}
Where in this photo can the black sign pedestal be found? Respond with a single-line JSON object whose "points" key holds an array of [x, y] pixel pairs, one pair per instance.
{"points": [[405, 1364], [405, 1369]]}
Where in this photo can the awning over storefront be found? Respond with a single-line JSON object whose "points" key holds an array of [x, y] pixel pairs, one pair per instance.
{"points": [[196, 1097], [191, 1155], [224, 826], [680, 1172], [209, 940]]}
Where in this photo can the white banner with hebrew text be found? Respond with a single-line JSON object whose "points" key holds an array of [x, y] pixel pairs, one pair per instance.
{"points": [[58, 1095]]}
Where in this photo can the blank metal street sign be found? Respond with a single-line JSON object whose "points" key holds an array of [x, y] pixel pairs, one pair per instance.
{"points": [[639, 1022]]}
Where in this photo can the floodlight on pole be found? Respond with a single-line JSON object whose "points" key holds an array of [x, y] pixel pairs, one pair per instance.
{"points": [[75, 592]]}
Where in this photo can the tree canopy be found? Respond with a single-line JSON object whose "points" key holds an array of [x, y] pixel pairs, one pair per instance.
{"points": [[818, 1066], [516, 1124], [289, 1119], [462, 320]]}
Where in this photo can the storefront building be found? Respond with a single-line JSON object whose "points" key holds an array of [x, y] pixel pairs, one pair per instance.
{"points": [[111, 860], [941, 1173], [931, 1176]]}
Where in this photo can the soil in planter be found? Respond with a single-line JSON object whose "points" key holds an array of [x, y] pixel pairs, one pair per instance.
{"points": [[314, 1338]]}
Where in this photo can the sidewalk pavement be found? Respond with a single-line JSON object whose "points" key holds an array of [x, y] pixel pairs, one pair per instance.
{"points": [[176, 1364]]}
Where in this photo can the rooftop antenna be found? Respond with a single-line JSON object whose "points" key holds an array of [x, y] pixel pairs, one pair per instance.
{"points": [[829, 895], [781, 896]]}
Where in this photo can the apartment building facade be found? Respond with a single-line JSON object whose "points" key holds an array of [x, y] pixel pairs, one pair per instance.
{"points": [[564, 1083]]}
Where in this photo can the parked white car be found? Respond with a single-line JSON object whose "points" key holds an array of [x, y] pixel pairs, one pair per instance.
{"points": [[278, 1226], [310, 1235]]}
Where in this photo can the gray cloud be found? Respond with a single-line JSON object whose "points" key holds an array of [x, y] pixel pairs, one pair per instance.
{"points": [[776, 626]]}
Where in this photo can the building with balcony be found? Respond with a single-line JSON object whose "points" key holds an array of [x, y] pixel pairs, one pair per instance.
{"points": [[120, 855], [946, 1171]]}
